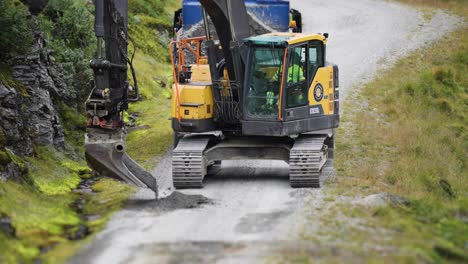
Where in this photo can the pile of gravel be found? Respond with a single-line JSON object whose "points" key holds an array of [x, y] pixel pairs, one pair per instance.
{"points": [[176, 200]]}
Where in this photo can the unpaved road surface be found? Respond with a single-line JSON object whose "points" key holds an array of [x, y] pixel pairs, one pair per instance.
{"points": [[247, 213]]}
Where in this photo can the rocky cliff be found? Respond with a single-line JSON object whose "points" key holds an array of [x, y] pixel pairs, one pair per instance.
{"points": [[30, 100]]}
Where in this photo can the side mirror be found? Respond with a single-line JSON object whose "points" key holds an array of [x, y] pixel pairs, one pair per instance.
{"points": [[325, 35]]}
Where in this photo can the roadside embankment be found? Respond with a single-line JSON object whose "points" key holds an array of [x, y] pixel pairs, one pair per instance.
{"points": [[404, 136]]}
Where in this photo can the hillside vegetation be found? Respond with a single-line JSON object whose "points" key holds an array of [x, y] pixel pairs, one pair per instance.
{"points": [[406, 134], [51, 220], [152, 34]]}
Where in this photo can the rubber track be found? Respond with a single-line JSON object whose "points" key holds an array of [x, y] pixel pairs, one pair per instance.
{"points": [[188, 162], [306, 160]]}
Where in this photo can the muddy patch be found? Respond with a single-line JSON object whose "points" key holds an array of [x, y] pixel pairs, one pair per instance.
{"points": [[226, 252], [261, 222], [176, 200]]}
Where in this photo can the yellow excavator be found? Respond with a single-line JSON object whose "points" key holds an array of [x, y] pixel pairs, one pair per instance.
{"points": [[243, 97], [271, 96]]}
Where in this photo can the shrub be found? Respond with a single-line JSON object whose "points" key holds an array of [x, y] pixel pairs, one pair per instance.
{"points": [[16, 33], [152, 8], [68, 26]]}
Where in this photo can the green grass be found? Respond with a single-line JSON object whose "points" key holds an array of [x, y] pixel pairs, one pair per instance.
{"points": [[405, 133], [40, 220], [73, 128], [53, 173], [154, 134], [41, 207], [9, 82], [458, 7], [43, 220], [415, 141]]}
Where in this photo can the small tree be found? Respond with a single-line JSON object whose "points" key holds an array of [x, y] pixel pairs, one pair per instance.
{"points": [[16, 29]]}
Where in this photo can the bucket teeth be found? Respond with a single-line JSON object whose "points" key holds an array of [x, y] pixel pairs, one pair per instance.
{"points": [[105, 152]]}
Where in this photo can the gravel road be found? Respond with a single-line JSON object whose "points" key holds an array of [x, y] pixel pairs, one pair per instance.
{"points": [[247, 212]]}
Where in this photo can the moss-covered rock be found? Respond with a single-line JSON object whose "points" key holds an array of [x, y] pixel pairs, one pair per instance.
{"points": [[19, 162]]}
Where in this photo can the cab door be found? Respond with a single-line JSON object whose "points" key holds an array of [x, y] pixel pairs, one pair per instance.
{"points": [[321, 87], [296, 103]]}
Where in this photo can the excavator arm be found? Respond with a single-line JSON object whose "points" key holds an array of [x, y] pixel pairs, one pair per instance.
{"points": [[106, 132], [231, 22]]}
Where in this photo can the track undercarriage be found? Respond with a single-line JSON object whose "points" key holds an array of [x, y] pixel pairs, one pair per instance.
{"points": [[306, 156]]}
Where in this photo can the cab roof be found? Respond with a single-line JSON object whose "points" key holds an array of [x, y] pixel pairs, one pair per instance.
{"points": [[283, 38]]}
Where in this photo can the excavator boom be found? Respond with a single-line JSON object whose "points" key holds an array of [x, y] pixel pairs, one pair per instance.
{"points": [[231, 22], [106, 132]]}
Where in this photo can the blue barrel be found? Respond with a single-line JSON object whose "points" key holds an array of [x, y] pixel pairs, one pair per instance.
{"points": [[274, 13]]}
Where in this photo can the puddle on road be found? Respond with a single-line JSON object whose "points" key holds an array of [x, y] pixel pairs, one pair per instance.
{"points": [[261, 222]]}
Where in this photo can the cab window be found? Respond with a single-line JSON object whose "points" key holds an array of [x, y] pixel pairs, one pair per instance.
{"points": [[297, 77], [316, 56], [265, 71]]}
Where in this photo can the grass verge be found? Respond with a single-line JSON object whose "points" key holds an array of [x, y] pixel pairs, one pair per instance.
{"points": [[407, 135], [153, 133], [43, 209]]}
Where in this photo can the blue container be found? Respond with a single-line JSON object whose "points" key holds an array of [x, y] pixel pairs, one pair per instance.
{"points": [[273, 13], [191, 13]]}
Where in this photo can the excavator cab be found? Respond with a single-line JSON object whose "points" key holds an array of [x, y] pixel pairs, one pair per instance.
{"points": [[265, 75], [288, 87]]}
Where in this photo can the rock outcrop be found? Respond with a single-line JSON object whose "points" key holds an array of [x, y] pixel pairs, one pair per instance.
{"points": [[383, 199], [41, 117], [29, 109]]}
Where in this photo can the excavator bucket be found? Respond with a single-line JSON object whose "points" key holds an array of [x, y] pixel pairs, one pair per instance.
{"points": [[105, 152]]}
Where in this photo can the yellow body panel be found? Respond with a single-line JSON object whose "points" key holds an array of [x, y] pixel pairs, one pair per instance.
{"points": [[324, 77], [195, 99], [295, 38], [201, 73]]}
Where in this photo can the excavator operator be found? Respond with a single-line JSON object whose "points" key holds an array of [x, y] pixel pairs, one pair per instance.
{"points": [[295, 72], [295, 76]]}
